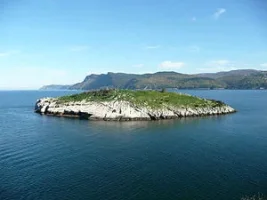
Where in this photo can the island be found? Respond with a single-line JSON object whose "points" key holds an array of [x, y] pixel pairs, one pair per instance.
{"points": [[128, 105]]}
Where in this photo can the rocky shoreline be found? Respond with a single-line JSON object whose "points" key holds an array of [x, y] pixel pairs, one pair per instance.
{"points": [[122, 110]]}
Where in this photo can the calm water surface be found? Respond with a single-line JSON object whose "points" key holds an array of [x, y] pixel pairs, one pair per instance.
{"points": [[209, 158]]}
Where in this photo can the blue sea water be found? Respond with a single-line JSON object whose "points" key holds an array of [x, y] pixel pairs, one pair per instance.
{"points": [[207, 158]]}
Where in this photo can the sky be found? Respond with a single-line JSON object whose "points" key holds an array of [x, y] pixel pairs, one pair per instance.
{"points": [[61, 41]]}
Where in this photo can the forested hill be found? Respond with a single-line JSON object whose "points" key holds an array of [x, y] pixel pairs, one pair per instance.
{"points": [[236, 79]]}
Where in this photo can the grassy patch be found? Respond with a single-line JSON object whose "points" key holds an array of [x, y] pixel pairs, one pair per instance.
{"points": [[153, 99]]}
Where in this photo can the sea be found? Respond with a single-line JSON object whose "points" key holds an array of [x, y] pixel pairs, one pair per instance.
{"points": [[206, 158]]}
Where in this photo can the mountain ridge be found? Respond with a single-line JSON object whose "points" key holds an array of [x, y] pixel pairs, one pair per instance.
{"points": [[235, 79]]}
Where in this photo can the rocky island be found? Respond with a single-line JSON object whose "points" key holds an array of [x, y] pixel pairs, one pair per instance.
{"points": [[127, 105]]}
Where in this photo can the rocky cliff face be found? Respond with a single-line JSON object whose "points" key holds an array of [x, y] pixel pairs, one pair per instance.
{"points": [[121, 110]]}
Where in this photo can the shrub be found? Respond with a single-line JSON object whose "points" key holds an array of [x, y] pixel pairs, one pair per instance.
{"points": [[255, 197], [163, 90]]}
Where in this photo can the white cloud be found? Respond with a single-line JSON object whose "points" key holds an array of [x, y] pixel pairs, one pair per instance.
{"points": [[79, 48], [263, 65], [153, 47], [4, 54], [216, 69], [218, 65], [138, 65], [218, 13], [171, 65], [227, 65], [9, 53]]}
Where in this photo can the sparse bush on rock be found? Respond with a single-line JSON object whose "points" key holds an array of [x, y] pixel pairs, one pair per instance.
{"points": [[255, 197]]}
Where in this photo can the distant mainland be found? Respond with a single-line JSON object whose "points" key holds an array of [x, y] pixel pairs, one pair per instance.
{"points": [[235, 79]]}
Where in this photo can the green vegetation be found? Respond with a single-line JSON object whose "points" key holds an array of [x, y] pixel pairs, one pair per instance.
{"points": [[252, 81], [149, 98]]}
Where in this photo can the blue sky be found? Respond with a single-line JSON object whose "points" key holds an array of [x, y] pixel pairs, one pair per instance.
{"points": [[62, 41]]}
